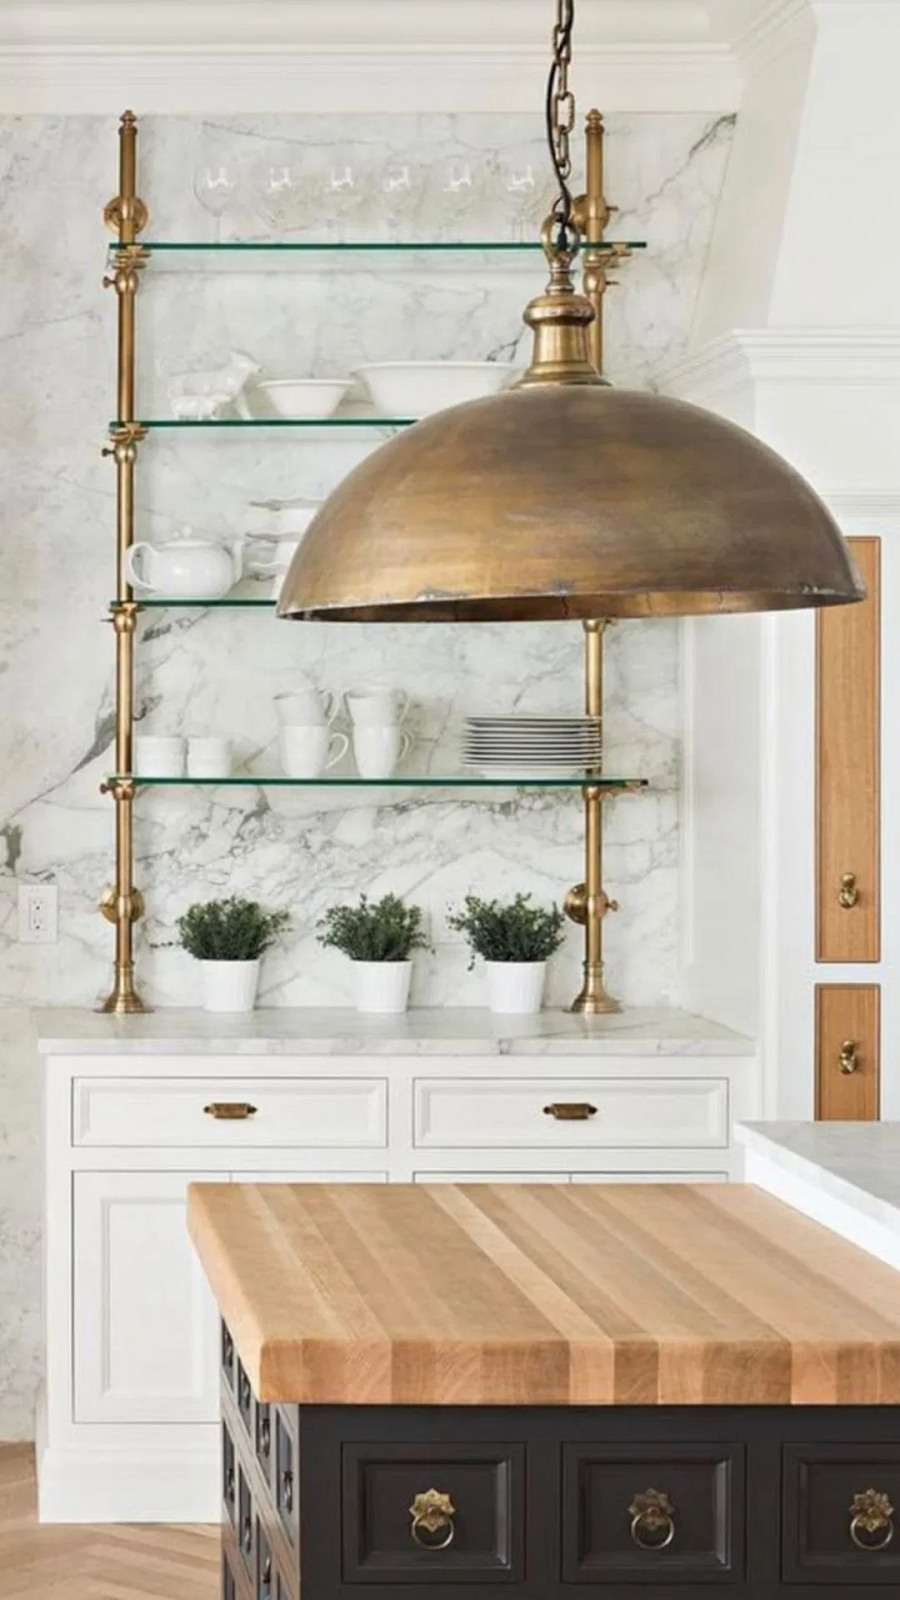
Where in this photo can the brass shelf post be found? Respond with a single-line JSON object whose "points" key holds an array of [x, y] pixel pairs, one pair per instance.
{"points": [[126, 215], [587, 903]]}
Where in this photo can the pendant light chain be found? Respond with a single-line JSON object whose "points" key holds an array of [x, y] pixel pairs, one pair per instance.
{"points": [[561, 117]]}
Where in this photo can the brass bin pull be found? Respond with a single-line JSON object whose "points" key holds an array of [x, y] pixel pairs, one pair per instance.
{"points": [[652, 1520], [229, 1110], [570, 1110], [848, 1057], [871, 1520], [432, 1514], [848, 894]]}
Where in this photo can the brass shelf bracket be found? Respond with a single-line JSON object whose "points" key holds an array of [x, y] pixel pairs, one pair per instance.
{"points": [[123, 903]]}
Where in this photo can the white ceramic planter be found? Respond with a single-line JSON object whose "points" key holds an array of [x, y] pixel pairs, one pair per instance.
{"points": [[382, 987], [229, 985], [515, 988]]}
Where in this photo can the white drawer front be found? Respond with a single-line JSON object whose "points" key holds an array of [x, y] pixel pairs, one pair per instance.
{"points": [[303, 1112], [649, 1177], [628, 1113]]}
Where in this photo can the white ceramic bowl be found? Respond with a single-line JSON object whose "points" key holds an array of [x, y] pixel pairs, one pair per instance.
{"points": [[306, 397], [419, 388]]}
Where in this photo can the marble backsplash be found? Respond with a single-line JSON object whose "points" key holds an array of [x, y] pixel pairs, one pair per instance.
{"points": [[218, 671]]}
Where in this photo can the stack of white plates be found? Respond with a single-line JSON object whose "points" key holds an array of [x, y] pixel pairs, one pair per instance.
{"points": [[532, 746]]}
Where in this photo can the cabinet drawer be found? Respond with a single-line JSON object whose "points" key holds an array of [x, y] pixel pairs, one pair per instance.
{"points": [[668, 1113], [839, 1516], [418, 1513], [303, 1112], [657, 1514]]}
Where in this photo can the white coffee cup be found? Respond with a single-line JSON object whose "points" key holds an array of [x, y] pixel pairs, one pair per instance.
{"points": [[158, 755], [377, 751], [209, 758], [307, 752], [306, 707], [376, 707]]}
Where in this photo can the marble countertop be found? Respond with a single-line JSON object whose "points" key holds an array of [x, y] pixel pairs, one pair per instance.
{"points": [[308, 1031], [848, 1173]]}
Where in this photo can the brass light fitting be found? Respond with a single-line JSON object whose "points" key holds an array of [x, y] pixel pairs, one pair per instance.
{"points": [[564, 497]]}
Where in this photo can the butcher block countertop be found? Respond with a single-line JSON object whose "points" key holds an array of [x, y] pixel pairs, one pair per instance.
{"points": [[518, 1294]]}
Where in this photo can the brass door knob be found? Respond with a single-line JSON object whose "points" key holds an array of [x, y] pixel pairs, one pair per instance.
{"points": [[570, 1111], [432, 1514], [229, 1110], [652, 1520], [848, 894], [848, 1057], [871, 1520]]}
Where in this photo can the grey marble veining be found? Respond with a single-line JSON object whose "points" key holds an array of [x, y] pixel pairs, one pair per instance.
{"points": [[857, 1163], [218, 672], [440, 1031]]}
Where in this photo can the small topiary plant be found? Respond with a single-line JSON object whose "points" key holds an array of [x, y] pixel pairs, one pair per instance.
{"points": [[230, 930], [386, 930], [515, 931]]}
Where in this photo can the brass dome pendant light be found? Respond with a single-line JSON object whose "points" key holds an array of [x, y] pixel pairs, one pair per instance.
{"points": [[564, 497]]}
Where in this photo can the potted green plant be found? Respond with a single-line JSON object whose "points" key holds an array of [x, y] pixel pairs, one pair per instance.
{"points": [[228, 939], [515, 940], [379, 938]]}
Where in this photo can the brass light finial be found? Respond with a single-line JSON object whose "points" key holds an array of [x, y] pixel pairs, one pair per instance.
{"points": [[559, 319]]}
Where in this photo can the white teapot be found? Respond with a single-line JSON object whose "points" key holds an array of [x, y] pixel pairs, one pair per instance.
{"points": [[187, 568]]}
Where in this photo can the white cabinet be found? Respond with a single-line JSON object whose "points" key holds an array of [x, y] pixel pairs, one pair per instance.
{"points": [[144, 1320], [630, 1113]]}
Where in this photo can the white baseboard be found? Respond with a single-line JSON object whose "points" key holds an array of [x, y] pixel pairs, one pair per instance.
{"points": [[131, 1482]]}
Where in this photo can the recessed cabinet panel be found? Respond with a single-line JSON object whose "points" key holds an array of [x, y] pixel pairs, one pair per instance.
{"points": [[423, 1514], [841, 1507], [246, 1112], [578, 1113], [848, 1052], [848, 745], [146, 1329], [664, 1515]]}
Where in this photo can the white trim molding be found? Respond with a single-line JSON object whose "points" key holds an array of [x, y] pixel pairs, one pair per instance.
{"points": [[844, 356], [206, 57]]}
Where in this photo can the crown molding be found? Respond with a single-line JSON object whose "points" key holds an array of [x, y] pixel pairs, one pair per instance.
{"points": [[849, 357], [218, 56]]}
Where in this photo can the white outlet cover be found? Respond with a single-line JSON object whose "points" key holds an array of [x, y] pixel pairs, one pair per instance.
{"points": [[38, 913]]}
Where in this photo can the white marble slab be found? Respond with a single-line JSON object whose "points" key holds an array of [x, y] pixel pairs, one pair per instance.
{"points": [[333, 1031], [844, 1174]]}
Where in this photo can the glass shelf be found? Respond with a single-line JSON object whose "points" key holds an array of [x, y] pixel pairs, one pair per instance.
{"points": [[155, 603], [272, 422], [398, 781], [362, 246]]}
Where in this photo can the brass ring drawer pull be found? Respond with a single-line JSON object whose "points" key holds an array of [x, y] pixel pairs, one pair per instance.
{"points": [[432, 1513], [570, 1110], [848, 893], [871, 1520], [848, 1057], [229, 1110], [652, 1520]]}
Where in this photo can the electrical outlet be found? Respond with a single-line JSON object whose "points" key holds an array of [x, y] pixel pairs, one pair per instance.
{"points": [[38, 913]]}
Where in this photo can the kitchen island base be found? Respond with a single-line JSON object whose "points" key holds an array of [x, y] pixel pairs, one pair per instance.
{"points": [[667, 1501]]}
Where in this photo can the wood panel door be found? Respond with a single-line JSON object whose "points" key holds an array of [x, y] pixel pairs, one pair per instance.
{"points": [[848, 749], [848, 1047]]}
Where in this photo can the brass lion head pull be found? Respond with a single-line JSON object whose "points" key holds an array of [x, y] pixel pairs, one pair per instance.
{"points": [[652, 1520], [432, 1515], [871, 1520], [848, 893]]}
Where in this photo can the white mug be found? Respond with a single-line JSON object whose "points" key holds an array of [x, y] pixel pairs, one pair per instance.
{"points": [[307, 752], [306, 707], [377, 751], [158, 756], [376, 707], [209, 758]]}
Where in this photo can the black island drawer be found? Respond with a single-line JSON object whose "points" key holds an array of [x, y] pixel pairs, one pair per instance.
{"points": [[841, 1510], [427, 1513], [653, 1514]]}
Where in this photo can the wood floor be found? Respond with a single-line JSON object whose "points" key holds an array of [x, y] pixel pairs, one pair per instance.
{"points": [[116, 1562]]}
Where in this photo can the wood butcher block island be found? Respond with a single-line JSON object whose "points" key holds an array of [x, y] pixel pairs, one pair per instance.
{"points": [[643, 1389]]}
